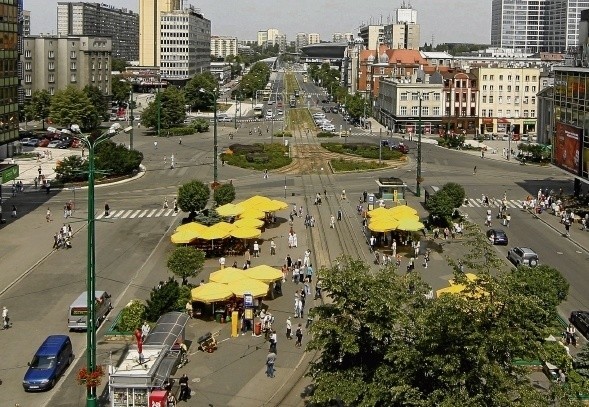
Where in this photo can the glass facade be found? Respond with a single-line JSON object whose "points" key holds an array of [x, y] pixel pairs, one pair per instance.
{"points": [[571, 112], [9, 83]]}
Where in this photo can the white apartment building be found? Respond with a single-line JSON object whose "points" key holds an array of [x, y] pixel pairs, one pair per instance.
{"points": [[222, 47], [314, 38], [273, 36], [185, 47], [262, 38], [372, 35], [507, 99], [301, 40], [54, 63]]}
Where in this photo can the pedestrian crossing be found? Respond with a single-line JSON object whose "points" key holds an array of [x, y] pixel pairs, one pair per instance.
{"points": [[493, 203], [138, 213]]}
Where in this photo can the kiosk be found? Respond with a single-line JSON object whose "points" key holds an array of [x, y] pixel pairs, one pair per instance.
{"points": [[392, 189]]}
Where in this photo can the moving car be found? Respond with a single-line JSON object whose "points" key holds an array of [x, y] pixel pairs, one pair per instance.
{"points": [[319, 115], [223, 118], [50, 361], [580, 319], [54, 143], [328, 127], [497, 236], [523, 256]]}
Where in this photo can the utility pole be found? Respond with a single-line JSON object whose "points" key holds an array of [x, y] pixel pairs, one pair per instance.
{"points": [[418, 178], [215, 146], [159, 103], [380, 146], [132, 119]]}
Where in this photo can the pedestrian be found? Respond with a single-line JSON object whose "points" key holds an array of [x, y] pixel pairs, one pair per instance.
{"points": [[295, 240], [474, 171], [175, 205], [332, 222], [180, 141], [567, 227], [13, 211], [145, 328], [272, 247], [394, 248], [155, 145], [256, 249], [309, 273], [309, 319], [36, 180], [184, 389], [270, 360], [165, 202], [172, 164], [39, 171], [299, 335], [273, 339], [48, 215], [339, 214], [288, 328], [5, 318], [171, 400], [222, 262], [265, 174], [106, 209]]}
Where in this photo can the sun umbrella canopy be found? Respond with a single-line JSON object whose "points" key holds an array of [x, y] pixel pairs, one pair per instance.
{"points": [[380, 211], [383, 224], [229, 210], [248, 223], [245, 233], [410, 225], [275, 205], [254, 287], [264, 273], [212, 233], [252, 213], [183, 237], [211, 292], [453, 289], [227, 275], [191, 227], [254, 202], [402, 210]]}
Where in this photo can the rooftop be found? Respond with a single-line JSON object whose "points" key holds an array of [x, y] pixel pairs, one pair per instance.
{"points": [[130, 365]]}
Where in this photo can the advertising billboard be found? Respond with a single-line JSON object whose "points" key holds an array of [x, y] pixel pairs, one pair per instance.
{"points": [[567, 148]]}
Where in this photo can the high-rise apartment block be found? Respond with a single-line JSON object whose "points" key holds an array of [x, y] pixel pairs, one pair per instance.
{"points": [[372, 36], [536, 25], [26, 22], [262, 38], [54, 63], [149, 29], [269, 37], [101, 20], [222, 47], [405, 32], [9, 80], [185, 49], [314, 38], [301, 40]]}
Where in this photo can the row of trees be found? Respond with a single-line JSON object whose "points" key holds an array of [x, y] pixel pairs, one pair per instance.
{"points": [[383, 342], [255, 79], [86, 108]]}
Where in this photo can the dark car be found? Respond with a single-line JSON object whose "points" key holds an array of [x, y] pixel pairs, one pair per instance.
{"points": [[401, 147], [50, 361], [497, 236], [25, 133], [580, 319], [334, 109]]}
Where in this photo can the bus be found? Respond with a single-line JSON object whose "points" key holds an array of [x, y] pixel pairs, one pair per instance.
{"points": [[259, 110], [292, 101]]}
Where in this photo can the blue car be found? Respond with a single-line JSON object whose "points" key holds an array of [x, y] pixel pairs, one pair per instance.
{"points": [[50, 361]]}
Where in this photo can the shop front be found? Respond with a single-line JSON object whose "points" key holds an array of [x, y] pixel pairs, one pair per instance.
{"points": [[486, 125], [391, 189]]}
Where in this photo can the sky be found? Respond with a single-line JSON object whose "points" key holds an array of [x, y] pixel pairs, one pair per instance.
{"points": [[445, 20]]}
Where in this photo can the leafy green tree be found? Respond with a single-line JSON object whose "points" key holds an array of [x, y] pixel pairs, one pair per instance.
{"points": [[119, 64], [441, 206], [199, 91], [455, 192], [162, 300], [39, 106], [186, 262], [544, 282], [171, 104], [193, 196], [116, 159], [72, 106], [200, 125], [132, 316], [357, 106], [98, 100], [72, 169], [120, 89], [224, 194]]}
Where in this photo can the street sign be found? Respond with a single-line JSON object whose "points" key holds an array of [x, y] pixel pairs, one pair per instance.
{"points": [[9, 172]]}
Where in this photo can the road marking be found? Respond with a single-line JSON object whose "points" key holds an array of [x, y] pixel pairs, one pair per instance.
{"points": [[476, 203], [182, 171], [143, 213], [116, 214], [127, 214], [135, 214], [99, 216], [160, 213], [151, 213], [168, 212]]}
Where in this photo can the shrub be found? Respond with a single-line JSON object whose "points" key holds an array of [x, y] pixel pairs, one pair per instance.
{"points": [[364, 150], [257, 156], [326, 134], [132, 316], [200, 125], [162, 300], [180, 131], [224, 194], [283, 134], [348, 165]]}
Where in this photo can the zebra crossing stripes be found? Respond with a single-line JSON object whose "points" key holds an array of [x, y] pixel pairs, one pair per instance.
{"points": [[137, 213], [478, 203]]}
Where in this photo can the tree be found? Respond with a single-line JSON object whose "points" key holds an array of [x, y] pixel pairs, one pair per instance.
{"points": [[186, 261], [39, 106], [132, 316], [162, 300], [224, 194], [118, 65], [98, 100], [544, 282], [455, 192], [193, 196], [441, 206], [171, 105], [200, 125], [72, 169], [356, 106], [116, 159], [199, 91], [120, 89], [72, 106]]}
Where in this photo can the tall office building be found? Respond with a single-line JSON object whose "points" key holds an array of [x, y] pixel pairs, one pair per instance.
{"points": [[405, 32], [222, 47], [10, 11], [301, 40], [26, 22], [149, 29], [185, 44], [372, 36], [262, 38], [101, 20], [536, 25], [314, 38]]}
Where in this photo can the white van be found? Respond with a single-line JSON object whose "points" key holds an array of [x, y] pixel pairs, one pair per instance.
{"points": [[78, 312]]}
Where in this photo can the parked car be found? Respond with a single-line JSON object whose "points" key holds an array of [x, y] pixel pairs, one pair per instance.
{"points": [[223, 119], [22, 134], [32, 142], [279, 112], [319, 115], [523, 256], [497, 236], [334, 109], [44, 142], [328, 127], [401, 147], [580, 319], [54, 143]]}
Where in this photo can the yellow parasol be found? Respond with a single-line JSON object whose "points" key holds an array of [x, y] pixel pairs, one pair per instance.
{"points": [[227, 275], [191, 227], [378, 212], [248, 223], [453, 289], [275, 205], [213, 233], [229, 210], [211, 292], [252, 213], [264, 273], [383, 224], [254, 287], [245, 233], [254, 202], [410, 225], [402, 210], [183, 237]]}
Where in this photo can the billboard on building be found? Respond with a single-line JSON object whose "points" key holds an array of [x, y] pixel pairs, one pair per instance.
{"points": [[567, 147]]}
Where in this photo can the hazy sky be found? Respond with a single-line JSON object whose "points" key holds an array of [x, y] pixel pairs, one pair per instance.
{"points": [[446, 20]]}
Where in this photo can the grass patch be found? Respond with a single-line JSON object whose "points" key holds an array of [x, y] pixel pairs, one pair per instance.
{"points": [[299, 118], [326, 134], [364, 150], [283, 134], [257, 156], [290, 82], [25, 155], [340, 165]]}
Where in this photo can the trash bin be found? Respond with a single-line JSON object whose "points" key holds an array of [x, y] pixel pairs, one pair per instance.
{"points": [[258, 328], [219, 316]]}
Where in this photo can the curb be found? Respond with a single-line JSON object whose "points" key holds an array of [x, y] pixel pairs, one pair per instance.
{"points": [[579, 245]]}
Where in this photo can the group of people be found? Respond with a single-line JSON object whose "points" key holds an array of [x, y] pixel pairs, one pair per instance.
{"points": [[63, 238]]}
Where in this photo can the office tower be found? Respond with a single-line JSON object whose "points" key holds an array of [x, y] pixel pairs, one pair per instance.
{"points": [[9, 78], [301, 40], [101, 20], [149, 29], [405, 32], [314, 38], [26, 22]]}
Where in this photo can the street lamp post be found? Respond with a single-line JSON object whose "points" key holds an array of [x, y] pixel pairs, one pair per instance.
{"points": [[132, 118], [215, 94], [91, 144], [419, 129], [159, 104]]}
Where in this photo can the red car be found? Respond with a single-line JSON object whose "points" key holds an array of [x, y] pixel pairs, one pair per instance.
{"points": [[44, 142]]}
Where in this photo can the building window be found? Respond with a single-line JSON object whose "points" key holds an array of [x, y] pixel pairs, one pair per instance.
{"points": [[526, 113], [73, 66], [509, 88], [508, 113], [534, 78], [425, 111], [500, 88], [516, 100], [27, 53], [508, 99], [517, 78], [526, 88], [484, 112], [28, 79], [500, 112], [52, 91], [485, 87], [484, 99], [73, 54], [516, 112], [415, 96], [51, 66], [457, 97], [436, 111], [490, 99], [51, 78], [425, 96], [28, 66], [414, 110], [437, 97], [73, 78], [527, 78], [28, 92], [490, 112], [517, 88], [484, 77], [533, 100], [491, 87], [403, 111], [500, 77], [532, 113], [492, 77], [509, 78], [526, 100], [533, 89], [51, 54]]}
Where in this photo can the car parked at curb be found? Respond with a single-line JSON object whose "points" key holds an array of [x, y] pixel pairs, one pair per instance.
{"points": [[523, 256], [580, 319], [497, 237]]}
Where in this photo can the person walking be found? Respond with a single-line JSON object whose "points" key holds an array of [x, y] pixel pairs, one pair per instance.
{"points": [[184, 389], [48, 215], [106, 209], [474, 171], [273, 339], [165, 206], [13, 211], [155, 145], [272, 247], [222, 262], [339, 214], [256, 249], [175, 205], [332, 222], [288, 328], [270, 361], [171, 400], [299, 335], [5, 318]]}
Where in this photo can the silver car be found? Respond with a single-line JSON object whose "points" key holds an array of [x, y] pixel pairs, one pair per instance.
{"points": [[523, 256]]}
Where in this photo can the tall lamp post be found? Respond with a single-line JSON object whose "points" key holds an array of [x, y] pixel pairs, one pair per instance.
{"points": [[132, 118], [215, 94], [91, 144], [159, 104], [419, 129]]}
